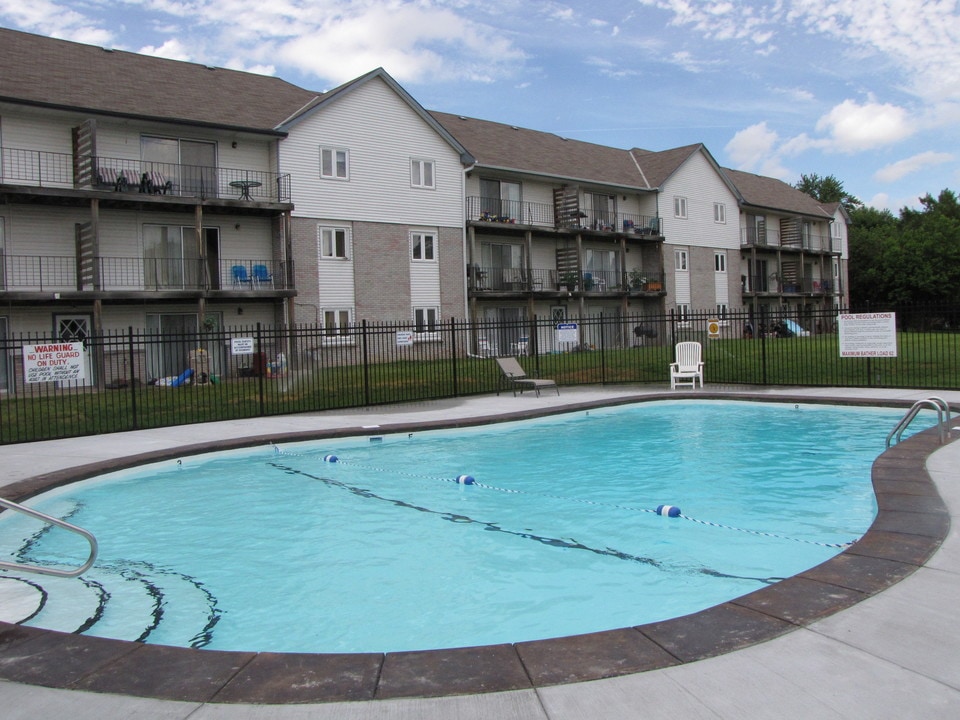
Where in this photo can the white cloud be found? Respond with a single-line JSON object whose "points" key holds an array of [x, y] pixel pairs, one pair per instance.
{"points": [[750, 147], [171, 49], [897, 170], [56, 20], [852, 127]]}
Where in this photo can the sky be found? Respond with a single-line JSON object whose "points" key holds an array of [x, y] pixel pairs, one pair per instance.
{"points": [[865, 90]]}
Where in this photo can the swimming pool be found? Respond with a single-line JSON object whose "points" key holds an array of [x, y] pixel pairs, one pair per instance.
{"points": [[546, 556]]}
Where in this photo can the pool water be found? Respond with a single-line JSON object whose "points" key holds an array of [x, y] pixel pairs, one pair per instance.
{"points": [[384, 550]]}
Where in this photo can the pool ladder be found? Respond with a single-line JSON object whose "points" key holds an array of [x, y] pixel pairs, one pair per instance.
{"points": [[943, 418], [25, 567]]}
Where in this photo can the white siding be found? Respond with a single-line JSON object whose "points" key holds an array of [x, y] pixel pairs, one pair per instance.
{"points": [[382, 133], [698, 181]]}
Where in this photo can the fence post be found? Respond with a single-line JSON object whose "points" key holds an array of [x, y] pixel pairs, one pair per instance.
{"points": [[365, 354], [261, 359], [763, 353], [453, 357], [603, 356], [132, 376]]}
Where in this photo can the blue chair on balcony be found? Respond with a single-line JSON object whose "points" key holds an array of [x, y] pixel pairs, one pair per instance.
{"points": [[262, 276], [240, 277]]}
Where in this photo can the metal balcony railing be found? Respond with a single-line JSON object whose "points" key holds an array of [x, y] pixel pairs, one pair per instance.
{"points": [[517, 212], [36, 168], [43, 273], [39, 168], [519, 280]]}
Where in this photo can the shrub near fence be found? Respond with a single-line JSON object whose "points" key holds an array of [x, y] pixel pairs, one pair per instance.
{"points": [[248, 372]]}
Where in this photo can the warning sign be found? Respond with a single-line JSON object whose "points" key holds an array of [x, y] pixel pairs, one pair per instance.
{"points": [[54, 362], [713, 328]]}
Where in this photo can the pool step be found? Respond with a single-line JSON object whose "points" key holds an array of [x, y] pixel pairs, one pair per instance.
{"points": [[124, 603]]}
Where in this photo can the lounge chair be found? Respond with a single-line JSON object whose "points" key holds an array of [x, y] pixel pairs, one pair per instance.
{"points": [[513, 373], [240, 276], [262, 276], [688, 365]]}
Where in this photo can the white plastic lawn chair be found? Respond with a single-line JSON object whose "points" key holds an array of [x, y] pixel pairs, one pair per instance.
{"points": [[688, 365]]}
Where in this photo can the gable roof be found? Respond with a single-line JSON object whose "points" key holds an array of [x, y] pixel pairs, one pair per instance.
{"points": [[497, 146], [771, 194], [61, 74], [339, 92]]}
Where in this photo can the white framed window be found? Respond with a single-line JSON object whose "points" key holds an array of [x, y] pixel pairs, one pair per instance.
{"points": [[680, 260], [423, 246], [722, 312], [719, 213], [426, 320], [680, 207], [334, 243], [683, 313], [422, 173], [337, 322], [334, 163], [720, 262]]}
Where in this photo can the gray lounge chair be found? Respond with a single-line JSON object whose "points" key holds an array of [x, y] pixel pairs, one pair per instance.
{"points": [[514, 374]]}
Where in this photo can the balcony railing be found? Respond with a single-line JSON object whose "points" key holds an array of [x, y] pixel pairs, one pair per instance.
{"points": [[519, 280], [37, 168], [516, 212], [774, 285], [814, 242], [44, 273], [120, 175]]}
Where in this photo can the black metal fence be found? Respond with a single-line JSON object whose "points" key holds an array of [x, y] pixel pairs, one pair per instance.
{"points": [[52, 388]]}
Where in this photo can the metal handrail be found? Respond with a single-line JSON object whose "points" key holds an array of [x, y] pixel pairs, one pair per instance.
{"points": [[25, 567], [938, 404]]}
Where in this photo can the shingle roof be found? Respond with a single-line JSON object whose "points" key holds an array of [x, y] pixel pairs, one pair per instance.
{"points": [[770, 193], [658, 166], [496, 145], [60, 73]]}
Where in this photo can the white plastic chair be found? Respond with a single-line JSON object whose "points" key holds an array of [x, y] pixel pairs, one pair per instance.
{"points": [[688, 365]]}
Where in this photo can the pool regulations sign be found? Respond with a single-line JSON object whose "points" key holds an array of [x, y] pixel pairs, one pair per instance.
{"points": [[54, 362], [868, 334]]}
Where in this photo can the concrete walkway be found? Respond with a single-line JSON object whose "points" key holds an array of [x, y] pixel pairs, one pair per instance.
{"points": [[893, 655]]}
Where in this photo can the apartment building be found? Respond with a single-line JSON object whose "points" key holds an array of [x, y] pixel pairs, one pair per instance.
{"points": [[556, 228], [377, 224], [793, 249], [173, 197]]}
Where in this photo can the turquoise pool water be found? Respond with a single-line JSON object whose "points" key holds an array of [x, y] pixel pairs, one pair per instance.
{"points": [[384, 550]]}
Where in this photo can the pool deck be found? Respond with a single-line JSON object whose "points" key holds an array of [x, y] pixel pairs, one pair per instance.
{"points": [[893, 654]]}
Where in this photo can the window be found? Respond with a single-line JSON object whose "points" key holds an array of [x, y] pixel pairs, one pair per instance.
{"points": [[334, 243], [722, 311], [680, 207], [334, 163], [680, 258], [336, 322], [421, 173], [683, 312], [425, 320], [423, 246], [719, 213], [720, 262]]}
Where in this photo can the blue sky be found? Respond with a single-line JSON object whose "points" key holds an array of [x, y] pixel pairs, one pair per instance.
{"points": [[866, 90]]}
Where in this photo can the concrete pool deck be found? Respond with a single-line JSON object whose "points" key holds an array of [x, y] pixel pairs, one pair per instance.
{"points": [[893, 654]]}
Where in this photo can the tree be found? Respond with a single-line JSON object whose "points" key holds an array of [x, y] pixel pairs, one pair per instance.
{"points": [[913, 258], [827, 190]]}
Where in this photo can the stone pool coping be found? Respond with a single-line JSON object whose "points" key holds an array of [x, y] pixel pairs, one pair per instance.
{"points": [[911, 523]]}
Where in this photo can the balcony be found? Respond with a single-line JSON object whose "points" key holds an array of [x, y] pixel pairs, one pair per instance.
{"points": [[481, 211], [498, 280], [33, 168], [45, 273], [810, 242]]}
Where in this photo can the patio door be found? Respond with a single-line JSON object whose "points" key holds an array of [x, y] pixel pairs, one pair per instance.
{"points": [[171, 257], [173, 335], [191, 165]]}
